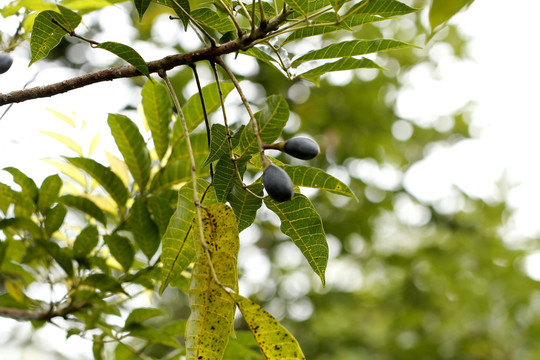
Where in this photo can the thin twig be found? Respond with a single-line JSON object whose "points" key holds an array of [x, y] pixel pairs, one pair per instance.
{"points": [[196, 199], [205, 113]]}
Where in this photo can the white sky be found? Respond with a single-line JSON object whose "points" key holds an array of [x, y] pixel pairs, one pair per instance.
{"points": [[501, 79]]}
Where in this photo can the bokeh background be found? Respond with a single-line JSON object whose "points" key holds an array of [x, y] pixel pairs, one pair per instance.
{"points": [[438, 259]]}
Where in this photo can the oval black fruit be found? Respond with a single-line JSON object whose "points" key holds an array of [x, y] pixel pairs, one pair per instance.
{"points": [[277, 183], [5, 63], [301, 147]]}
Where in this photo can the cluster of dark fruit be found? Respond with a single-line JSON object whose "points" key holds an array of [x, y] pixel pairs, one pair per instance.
{"points": [[276, 181], [5, 62]]}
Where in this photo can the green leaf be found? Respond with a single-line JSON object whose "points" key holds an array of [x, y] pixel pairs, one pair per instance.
{"points": [[210, 18], [144, 230], [104, 283], [212, 310], [441, 11], [127, 54], [48, 192], [274, 340], [70, 143], [192, 110], [300, 6], [28, 186], [316, 178], [85, 242], [54, 219], [219, 144], [225, 176], [178, 249], [46, 35], [121, 249], [141, 6], [105, 177], [315, 74], [351, 48], [24, 205], [154, 336], [271, 119], [321, 26], [139, 315], [384, 8], [244, 204], [132, 146], [199, 147], [303, 225], [85, 205], [68, 170], [21, 223], [161, 206], [177, 6], [157, 108], [58, 254]]}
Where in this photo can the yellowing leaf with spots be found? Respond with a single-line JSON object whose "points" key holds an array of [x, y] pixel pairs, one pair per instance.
{"points": [[212, 309], [274, 340]]}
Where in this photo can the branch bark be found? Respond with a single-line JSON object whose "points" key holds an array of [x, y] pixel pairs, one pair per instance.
{"points": [[40, 315], [128, 71]]}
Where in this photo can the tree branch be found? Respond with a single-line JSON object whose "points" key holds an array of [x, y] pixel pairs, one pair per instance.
{"points": [[40, 315], [127, 71]]}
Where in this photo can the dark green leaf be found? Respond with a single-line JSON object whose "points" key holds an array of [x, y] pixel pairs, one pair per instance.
{"points": [[226, 176], [105, 177], [85, 205], [144, 229], [141, 6], [180, 7], [24, 205], [121, 249], [48, 192], [85, 242], [303, 225], [54, 219], [157, 108], [132, 146], [161, 206], [21, 223], [127, 54]]}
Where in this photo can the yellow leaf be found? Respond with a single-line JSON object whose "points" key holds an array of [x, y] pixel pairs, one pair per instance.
{"points": [[69, 170], [94, 143], [63, 117], [64, 140], [119, 167], [212, 309]]}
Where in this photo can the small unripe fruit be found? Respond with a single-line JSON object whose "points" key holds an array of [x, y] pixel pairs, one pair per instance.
{"points": [[5, 63], [277, 183], [301, 147]]}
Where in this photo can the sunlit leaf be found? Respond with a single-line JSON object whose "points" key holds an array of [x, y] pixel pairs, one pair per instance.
{"points": [[132, 146], [70, 143], [157, 108], [351, 48], [212, 310], [127, 54], [276, 342]]}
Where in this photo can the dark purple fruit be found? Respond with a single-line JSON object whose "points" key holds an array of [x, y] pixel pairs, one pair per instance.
{"points": [[277, 183], [5, 63], [301, 147]]}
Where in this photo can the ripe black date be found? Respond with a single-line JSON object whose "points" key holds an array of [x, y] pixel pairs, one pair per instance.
{"points": [[277, 183], [301, 147], [5, 63]]}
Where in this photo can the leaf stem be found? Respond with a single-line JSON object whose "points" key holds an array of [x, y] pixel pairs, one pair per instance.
{"points": [[205, 113], [254, 122], [196, 200]]}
